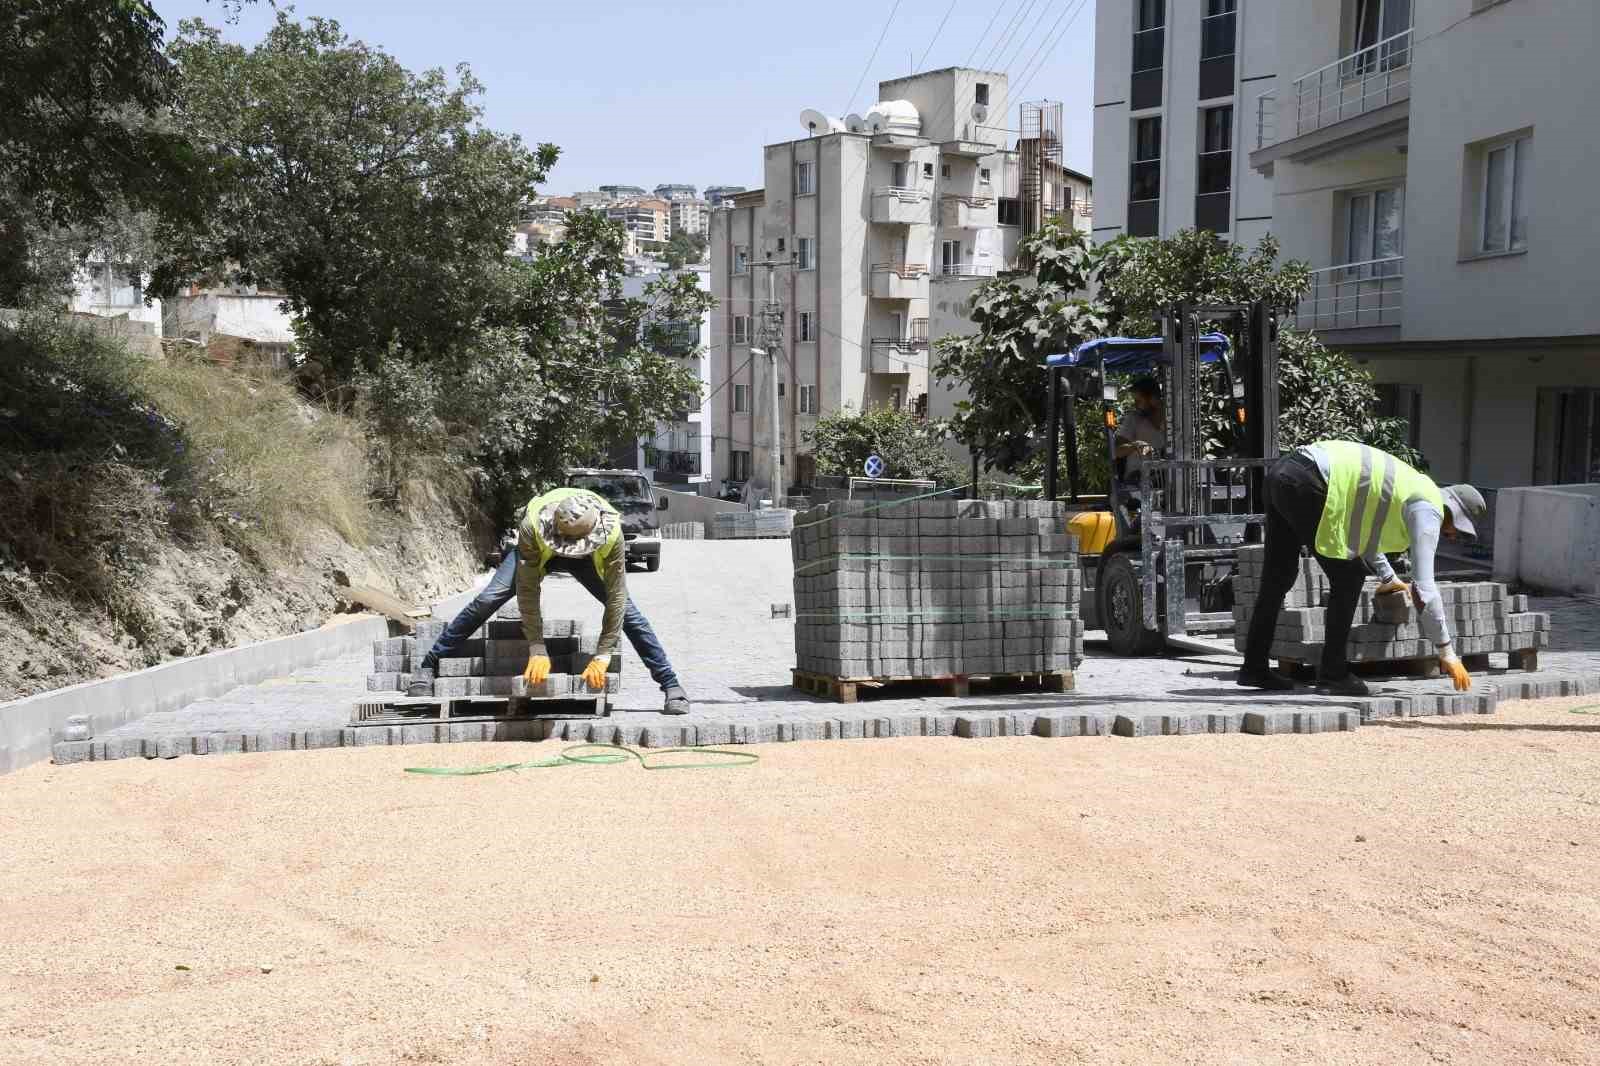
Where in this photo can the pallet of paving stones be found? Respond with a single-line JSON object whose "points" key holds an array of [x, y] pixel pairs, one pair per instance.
{"points": [[774, 522], [851, 689], [683, 531], [402, 709], [935, 589], [486, 667], [1484, 619]]}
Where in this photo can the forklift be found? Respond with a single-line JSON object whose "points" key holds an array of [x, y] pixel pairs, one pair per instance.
{"points": [[1162, 546]]}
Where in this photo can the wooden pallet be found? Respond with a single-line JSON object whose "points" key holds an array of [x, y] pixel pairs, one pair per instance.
{"points": [[1426, 668], [406, 709], [850, 689]]}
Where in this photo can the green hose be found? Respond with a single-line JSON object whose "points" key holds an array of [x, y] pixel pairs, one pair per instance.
{"points": [[602, 755], [1588, 708]]}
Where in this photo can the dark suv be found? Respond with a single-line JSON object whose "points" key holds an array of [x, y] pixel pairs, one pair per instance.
{"points": [[631, 493]]}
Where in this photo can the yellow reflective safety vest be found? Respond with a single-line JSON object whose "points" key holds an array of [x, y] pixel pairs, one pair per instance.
{"points": [[530, 523], [1368, 491]]}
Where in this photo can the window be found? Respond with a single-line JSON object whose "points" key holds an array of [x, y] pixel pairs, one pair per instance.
{"points": [[808, 328], [1217, 32], [1149, 42], [927, 170], [1503, 222], [1379, 20], [950, 257], [1567, 451], [1403, 402], [1010, 211], [808, 399], [741, 329], [981, 91], [805, 252], [780, 244], [805, 179], [741, 259], [983, 175], [1146, 183], [1216, 149], [944, 171], [738, 466], [1375, 231], [741, 399]]}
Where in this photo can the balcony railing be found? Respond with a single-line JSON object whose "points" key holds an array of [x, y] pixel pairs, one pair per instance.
{"points": [[1355, 296], [1267, 119], [966, 270], [1218, 35], [898, 281], [895, 356], [1360, 82], [897, 206], [672, 463]]}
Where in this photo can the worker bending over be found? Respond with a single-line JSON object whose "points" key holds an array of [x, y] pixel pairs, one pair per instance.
{"points": [[1350, 504], [573, 531]]}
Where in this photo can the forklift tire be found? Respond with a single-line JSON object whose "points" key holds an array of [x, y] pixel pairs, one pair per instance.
{"points": [[1122, 609]]}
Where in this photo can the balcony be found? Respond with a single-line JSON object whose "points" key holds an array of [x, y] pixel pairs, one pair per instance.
{"points": [[966, 270], [968, 212], [901, 207], [899, 281], [1355, 296], [891, 356], [1364, 95], [672, 467]]}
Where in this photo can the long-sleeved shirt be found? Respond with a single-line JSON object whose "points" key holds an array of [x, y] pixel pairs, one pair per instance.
{"points": [[530, 575], [1423, 522]]}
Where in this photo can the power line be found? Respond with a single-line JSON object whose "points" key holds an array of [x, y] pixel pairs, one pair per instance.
{"points": [[948, 12], [1023, 39], [1029, 68], [1023, 9], [979, 42], [886, 23]]}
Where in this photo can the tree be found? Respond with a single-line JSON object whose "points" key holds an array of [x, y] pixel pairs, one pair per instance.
{"points": [[371, 195], [684, 248], [1023, 319], [565, 366], [83, 95], [910, 447]]}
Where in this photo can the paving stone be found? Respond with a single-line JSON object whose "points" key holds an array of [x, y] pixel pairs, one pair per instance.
{"points": [[422, 733], [667, 736], [1269, 723], [1072, 725], [71, 751], [979, 726]]}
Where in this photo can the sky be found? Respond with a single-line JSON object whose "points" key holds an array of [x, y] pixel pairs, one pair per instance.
{"points": [[641, 92]]}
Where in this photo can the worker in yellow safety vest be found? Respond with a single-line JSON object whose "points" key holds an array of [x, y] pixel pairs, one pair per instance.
{"points": [[1351, 504], [577, 532]]}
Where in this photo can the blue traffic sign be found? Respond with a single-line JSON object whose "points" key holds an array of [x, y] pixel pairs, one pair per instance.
{"points": [[874, 466]]}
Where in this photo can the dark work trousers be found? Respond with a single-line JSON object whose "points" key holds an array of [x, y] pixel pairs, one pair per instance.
{"points": [[1295, 495]]}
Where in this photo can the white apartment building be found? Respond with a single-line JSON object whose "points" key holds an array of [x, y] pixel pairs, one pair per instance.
{"points": [[1429, 158], [690, 216], [859, 232], [675, 192], [715, 194], [680, 451], [649, 221]]}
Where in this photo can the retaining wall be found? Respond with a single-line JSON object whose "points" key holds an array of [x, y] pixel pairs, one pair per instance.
{"points": [[687, 507], [27, 726], [1549, 537]]}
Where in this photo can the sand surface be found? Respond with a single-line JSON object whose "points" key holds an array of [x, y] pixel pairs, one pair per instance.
{"points": [[1416, 893]]}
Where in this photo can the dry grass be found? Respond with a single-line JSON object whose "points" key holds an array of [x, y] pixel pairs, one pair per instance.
{"points": [[269, 464]]}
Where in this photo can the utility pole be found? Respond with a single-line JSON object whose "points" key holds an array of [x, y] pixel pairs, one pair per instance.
{"points": [[771, 338]]}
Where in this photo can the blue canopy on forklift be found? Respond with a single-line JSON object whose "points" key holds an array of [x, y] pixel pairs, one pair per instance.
{"points": [[1132, 354]]}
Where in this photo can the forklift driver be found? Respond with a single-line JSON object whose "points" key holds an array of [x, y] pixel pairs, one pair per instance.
{"points": [[1145, 431]]}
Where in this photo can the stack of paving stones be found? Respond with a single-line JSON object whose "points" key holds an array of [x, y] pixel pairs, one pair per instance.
{"points": [[1483, 618], [492, 660], [935, 588], [747, 525], [683, 531]]}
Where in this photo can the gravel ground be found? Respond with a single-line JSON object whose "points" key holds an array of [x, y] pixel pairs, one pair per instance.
{"points": [[1421, 891], [711, 605]]}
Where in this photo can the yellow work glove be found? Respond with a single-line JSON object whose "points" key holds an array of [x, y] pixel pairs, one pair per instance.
{"points": [[1394, 586], [1450, 663], [594, 675], [538, 669]]}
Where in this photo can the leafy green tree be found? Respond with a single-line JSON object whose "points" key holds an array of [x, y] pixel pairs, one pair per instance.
{"points": [[371, 195], [911, 447], [1023, 319], [683, 249]]}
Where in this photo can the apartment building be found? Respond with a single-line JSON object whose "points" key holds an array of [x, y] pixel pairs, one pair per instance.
{"points": [[675, 192], [715, 194], [649, 221], [690, 216], [860, 230], [1428, 159], [623, 192], [679, 452]]}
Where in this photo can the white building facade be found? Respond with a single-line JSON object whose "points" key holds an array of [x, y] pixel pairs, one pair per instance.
{"points": [[1429, 159], [679, 454]]}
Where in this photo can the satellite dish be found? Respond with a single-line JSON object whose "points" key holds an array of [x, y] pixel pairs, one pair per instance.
{"points": [[855, 123], [876, 121], [980, 112], [818, 124]]}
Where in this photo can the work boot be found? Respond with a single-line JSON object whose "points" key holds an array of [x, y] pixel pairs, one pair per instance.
{"points": [[677, 701], [1344, 686], [1265, 679], [421, 682]]}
